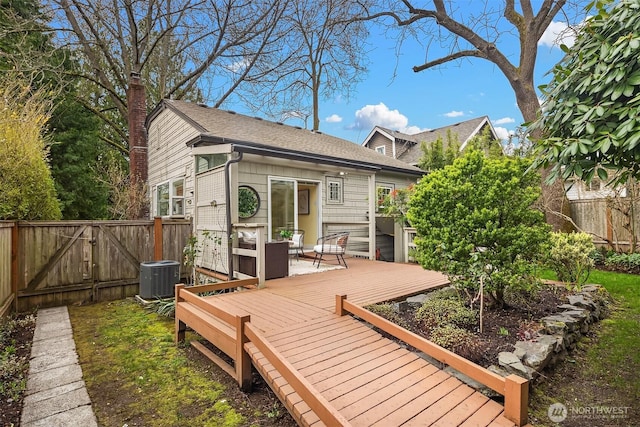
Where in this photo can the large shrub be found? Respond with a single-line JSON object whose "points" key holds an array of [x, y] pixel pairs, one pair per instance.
{"points": [[570, 257], [26, 188], [475, 219]]}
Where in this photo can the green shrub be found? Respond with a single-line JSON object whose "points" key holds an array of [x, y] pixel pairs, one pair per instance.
{"points": [[437, 312], [626, 262], [570, 257], [476, 219], [450, 336], [387, 311]]}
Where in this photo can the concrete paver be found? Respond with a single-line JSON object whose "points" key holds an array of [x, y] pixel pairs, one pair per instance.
{"points": [[56, 393]]}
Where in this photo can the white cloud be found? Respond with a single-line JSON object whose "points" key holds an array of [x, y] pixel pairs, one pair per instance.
{"points": [[379, 115], [334, 118], [503, 133], [558, 33], [504, 121], [370, 116], [410, 130], [454, 114], [239, 65]]}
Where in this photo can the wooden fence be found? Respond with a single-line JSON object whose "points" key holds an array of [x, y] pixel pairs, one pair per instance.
{"points": [[7, 293], [606, 224], [65, 262]]}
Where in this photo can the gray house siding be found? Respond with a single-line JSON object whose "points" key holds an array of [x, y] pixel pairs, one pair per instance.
{"points": [[169, 158]]}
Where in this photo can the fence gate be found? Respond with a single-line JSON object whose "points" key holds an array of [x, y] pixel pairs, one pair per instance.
{"points": [[67, 262]]}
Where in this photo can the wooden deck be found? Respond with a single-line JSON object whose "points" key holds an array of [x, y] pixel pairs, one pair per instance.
{"points": [[300, 338]]}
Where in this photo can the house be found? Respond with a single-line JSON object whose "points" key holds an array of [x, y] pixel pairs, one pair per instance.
{"points": [[233, 173], [406, 147]]}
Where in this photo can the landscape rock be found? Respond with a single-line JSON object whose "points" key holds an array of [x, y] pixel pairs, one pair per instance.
{"points": [[537, 354], [513, 365], [556, 323], [554, 326], [583, 301], [417, 300], [498, 370], [591, 288], [519, 352]]}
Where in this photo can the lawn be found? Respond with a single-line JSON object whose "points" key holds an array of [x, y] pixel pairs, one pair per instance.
{"points": [[604, 374], [136, 375]]}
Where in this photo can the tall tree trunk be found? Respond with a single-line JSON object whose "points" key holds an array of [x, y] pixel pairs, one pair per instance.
{"points": [[554, 199]]}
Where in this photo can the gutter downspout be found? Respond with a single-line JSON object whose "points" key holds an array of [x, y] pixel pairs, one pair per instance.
{"points": [[227, 184]]}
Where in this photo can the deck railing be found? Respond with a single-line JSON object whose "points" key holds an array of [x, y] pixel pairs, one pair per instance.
{"points": [[234, 345], [515, 389], [328, 414]]}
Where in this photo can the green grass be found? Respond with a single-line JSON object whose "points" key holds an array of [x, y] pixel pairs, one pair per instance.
{"points": [[135, 374], [607, 366]]}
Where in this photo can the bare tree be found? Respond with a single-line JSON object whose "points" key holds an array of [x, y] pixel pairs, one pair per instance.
{"points": [[172, 44], [470, 35], [322, 53]]}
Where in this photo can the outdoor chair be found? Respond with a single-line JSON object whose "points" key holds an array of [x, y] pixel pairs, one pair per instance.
{"points": [[297, 244], [332, 244]]}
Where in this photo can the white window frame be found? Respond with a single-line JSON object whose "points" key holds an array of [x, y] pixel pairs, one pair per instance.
{"points": [[381, 149], [388, 187], [338, 183], [174, 200]]}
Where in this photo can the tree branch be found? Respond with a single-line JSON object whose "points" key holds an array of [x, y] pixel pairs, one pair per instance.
{"points": [[449, 58]]}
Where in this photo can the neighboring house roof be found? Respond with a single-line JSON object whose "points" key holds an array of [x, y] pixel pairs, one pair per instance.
{"points": [[464, 131], [258, 136]]}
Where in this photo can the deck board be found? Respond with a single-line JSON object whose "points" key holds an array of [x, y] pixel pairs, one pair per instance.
{"points": [[368, 378]]}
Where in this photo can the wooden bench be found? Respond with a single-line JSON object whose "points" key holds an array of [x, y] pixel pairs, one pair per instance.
{"points": [[222, 329]]}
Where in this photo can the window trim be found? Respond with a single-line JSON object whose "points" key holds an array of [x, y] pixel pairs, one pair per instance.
{"points": [[340, 185], [383, 185], [173, 198], [383, 151]]}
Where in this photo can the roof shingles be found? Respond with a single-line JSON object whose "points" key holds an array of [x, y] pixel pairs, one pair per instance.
{"points": [[222, 125]]}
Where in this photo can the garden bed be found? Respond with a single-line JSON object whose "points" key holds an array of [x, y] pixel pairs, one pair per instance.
{"points": [[16, 336], [527, 319]]}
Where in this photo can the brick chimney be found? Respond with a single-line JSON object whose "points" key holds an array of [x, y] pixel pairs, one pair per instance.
{"points": [[138, 160]]}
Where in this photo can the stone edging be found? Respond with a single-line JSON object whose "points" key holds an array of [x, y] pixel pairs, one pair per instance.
{"points": [[560, 333]]}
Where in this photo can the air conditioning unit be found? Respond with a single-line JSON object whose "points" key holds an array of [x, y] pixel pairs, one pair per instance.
{"points": [[158, 278]]}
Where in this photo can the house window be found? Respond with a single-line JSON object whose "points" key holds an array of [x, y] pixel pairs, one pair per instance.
{"points": [[170, 198], [334, 190], [382, 191], [381, 150], [207, 162], [594, 185]]}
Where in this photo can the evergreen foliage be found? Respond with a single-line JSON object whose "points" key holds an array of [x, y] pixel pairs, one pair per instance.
{"points": [[590, 120], [476, 219]]}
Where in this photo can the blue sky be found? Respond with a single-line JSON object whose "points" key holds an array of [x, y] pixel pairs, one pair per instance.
{"points": [[413, 102]]}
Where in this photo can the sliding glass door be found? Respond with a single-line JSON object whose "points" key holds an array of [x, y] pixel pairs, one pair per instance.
{"points": [[283, 205]]}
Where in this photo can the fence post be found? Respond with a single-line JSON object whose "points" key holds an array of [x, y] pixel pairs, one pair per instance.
{"points": [[243, 361], [15, 247], [340, 311], [516, 399], [157, 239], [180, 327]]}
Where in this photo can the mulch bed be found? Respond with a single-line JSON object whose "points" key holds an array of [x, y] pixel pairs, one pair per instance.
{"points": [[11, 409], [502, 327]]}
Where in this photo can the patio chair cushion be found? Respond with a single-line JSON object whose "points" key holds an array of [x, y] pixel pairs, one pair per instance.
{"points": [[328, 249], [296, 241]]}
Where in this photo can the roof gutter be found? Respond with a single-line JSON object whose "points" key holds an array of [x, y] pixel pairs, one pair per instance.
{"points": [[227, 184]]}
